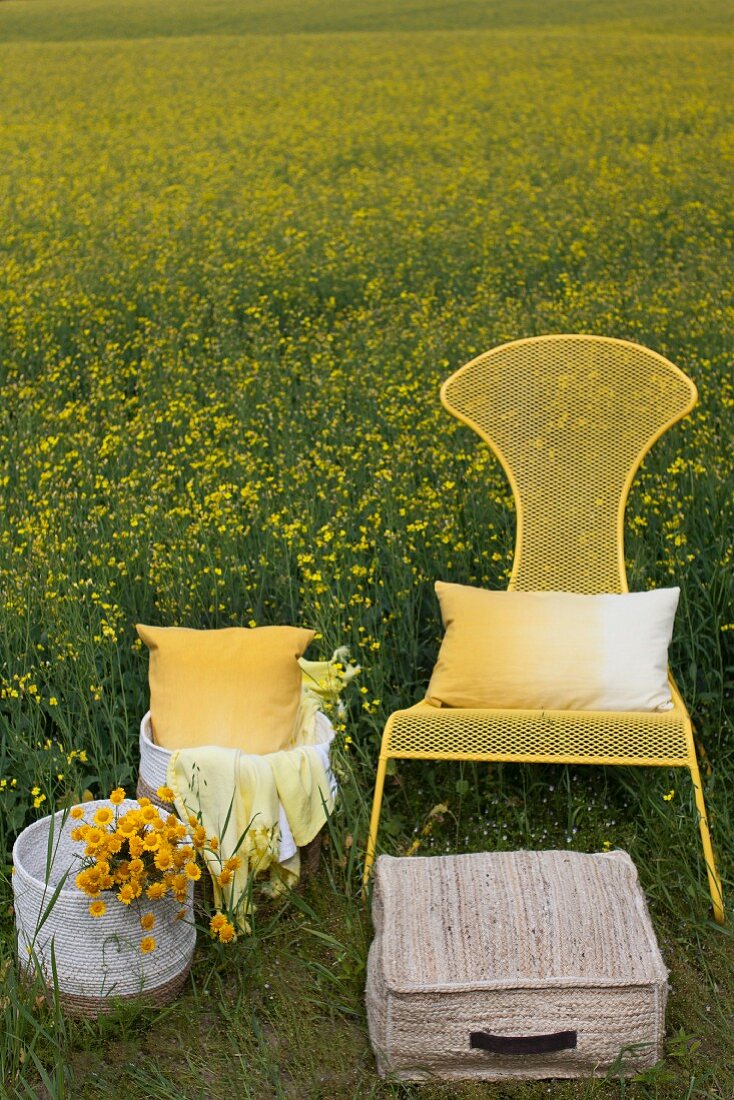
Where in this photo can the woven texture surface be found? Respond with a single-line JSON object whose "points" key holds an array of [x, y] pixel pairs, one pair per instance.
{"points": [[95, 959], [571, 417], [615, 736], [515, 944]]}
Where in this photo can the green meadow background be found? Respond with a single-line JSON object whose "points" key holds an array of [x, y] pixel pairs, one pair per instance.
{"points": [[242, 245]]}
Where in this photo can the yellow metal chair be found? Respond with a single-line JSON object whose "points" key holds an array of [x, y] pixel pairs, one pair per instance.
{"points": [[570, 418]]}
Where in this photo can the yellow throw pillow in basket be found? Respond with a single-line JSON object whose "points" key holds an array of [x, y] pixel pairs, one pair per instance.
{"points": [[238, 687], [554, 650]]}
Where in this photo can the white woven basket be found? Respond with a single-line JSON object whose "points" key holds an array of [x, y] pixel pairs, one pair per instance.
{"points": [[96, 960], [154, 770]]}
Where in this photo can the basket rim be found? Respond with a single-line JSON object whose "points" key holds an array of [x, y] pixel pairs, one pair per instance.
{"points": [[324, 725]]}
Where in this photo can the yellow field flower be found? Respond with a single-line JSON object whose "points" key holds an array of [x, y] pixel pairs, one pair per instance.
{"points": [[114, 842], [117, 796], [97, 909], [147, 921], [163, 859], [135, 845], [227, 933], [193, 872], [128, 823], [218, 921], [224, 878], [165, 794], [104, 815], [149, 814], [156, 890], [147, 944], [76, 812], [126, 894], [95, 838]]}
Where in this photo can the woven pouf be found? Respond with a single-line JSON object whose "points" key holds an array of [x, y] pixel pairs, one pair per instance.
{"points": [[513, 965], [99, 960], [154, 770]]}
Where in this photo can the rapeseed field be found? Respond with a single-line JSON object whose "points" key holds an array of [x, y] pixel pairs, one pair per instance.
{"points": [[243, 244]]}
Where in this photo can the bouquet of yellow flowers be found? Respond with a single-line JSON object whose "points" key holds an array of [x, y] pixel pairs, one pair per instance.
{"points": [[135, 852]]}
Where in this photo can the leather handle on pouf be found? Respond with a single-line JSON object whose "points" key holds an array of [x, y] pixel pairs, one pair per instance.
{"points": [[522, 1044]]}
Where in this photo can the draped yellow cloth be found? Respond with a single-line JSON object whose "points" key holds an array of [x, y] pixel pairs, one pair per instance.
{"points": [[237, 798]]}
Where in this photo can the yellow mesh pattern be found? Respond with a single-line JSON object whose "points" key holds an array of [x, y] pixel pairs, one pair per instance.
{"points": [[540, 736], [570, 418]]}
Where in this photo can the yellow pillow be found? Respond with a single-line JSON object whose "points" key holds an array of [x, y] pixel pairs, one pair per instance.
{"points": [[237, 687], [553, 650]]}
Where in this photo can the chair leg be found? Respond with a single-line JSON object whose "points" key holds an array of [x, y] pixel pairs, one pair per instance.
{"points": [[708, 852], [369, 857]]}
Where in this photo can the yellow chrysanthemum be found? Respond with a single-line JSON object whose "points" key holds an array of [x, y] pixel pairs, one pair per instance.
{"points": [[218, 921], [97, 909], [117, 796], [147, 921], [151, 842], [87, 884], [148, 814], [94, 836], [126, 894], [147, 944], [165, 794], [163, 859], [128, 823], [156, 890], [233, 863], [135, 846], [76, 812], [224, 878], [122, 871], [104, 815], [113, 843], [193, 871], [227, 933], [143, 801]]}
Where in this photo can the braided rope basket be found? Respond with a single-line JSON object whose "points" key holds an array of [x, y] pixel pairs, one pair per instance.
{"points": [[154, 771], [96, 960], [504, 965]]}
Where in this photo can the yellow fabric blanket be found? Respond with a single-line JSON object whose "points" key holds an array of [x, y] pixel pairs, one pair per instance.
{"points": [[236, 797]]}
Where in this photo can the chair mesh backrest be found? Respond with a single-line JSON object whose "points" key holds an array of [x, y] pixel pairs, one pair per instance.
{"points": [[570, 418]]}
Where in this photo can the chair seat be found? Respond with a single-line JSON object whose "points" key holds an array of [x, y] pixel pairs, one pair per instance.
{"points": [[601, 737]]}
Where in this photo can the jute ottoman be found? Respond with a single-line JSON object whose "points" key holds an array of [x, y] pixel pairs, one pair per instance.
{"points": [[513, 965]]}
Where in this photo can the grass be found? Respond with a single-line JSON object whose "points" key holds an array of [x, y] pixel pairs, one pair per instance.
{"points": [[246, 242]]}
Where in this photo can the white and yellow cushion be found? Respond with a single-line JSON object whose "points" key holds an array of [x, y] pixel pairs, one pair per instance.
{"points": [[554, 650]]}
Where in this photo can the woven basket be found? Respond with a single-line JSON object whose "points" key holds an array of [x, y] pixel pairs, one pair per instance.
{"points": [[154, 770], [505, 965], [97, 960]]}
